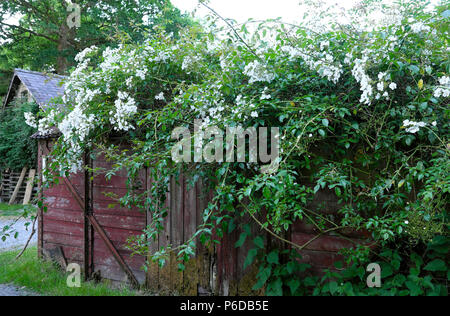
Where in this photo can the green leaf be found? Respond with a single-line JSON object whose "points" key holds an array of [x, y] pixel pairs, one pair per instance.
{"points": [[325, 122], [386, 270], [272, 257], [409, 140], [259, 242], [290, 267], [333, 287], [266, 192], [241, 240], [294, 284], [414, 69], [436, 265], [250, 257], [413, 287], [275, 288], [263, 276], [322, 133]]}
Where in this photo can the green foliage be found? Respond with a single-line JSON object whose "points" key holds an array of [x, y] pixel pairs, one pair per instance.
{"points": [[17, 149], [45, 278], [363, 115], [404, 272], [43, 40], [10, 210]]}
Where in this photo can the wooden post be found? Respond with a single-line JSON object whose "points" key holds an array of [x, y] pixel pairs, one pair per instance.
{"points": [[19, 184], [30, 185]]}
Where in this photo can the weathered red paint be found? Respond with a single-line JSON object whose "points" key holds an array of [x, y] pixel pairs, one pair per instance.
{"points": [[219, 269]]}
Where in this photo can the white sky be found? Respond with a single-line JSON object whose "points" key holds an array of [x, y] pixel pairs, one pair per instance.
{"points": [[241, 10]]}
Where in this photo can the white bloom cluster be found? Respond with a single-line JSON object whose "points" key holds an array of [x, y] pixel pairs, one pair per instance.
{"points": [[189, 62], [265, 95], [420, 27], [324, 45], [323, 63], [162, 56], [111, 59], [225, 63], [76, 125], [141, 73], [444, 89], [364, 80], [45, 125], [75, 128], [382, 85], [160, 97], [30, 120], [413, 127], [80, 57], [258, 72], [125, 108]]}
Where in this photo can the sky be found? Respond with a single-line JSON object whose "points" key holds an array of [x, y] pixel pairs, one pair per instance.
{"points": [[241, 10]]}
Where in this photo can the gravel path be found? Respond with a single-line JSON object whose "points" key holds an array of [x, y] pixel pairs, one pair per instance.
{"points": [[11, 290], [12, 243]]}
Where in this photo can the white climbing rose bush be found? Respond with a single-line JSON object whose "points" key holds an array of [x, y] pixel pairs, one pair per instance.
{"points": [[362, 107]]}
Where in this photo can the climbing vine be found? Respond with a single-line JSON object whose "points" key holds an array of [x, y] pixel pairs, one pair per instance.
{"points": [[362, 108]]}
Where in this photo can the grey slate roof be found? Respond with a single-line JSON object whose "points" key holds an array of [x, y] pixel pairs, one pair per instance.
{"points": [[43, 87]]}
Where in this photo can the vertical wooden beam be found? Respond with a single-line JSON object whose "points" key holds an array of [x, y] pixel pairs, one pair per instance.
{"points": [[87, 230], [164, 241], [19, 184], [176, 231], [30, 185], [191, 274], [153, 267], [40, 198]]}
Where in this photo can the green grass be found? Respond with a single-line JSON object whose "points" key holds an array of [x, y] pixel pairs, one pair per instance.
{"points": [[45, 279], [10, 210]]}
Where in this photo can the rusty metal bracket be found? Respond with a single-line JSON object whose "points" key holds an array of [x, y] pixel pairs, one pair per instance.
{"points": [[98, 228]]}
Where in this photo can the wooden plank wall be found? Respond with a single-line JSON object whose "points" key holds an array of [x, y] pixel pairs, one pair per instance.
{"points": [[216, 270], [119, 223], [185, 205], [62, 224], [323, 252]]}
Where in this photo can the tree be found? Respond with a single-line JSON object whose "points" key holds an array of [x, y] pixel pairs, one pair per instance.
{"points": [[44, 40]]}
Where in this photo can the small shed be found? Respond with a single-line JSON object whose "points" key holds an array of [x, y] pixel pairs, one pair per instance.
{"points": [[84, 224], [27, 86]]}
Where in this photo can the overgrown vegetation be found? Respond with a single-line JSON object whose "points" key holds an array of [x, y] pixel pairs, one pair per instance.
{"points": [[17, 148], [363, 113], [46, 279]]}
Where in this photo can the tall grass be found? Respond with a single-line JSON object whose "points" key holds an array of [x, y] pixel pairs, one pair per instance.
{"points": [[45, 279], [10, 210]]}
